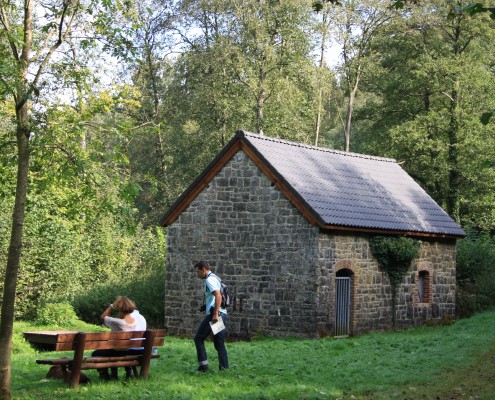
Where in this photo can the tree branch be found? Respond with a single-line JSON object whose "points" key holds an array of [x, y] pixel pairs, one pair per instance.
{"points": [[61, 37], [6, 25]]}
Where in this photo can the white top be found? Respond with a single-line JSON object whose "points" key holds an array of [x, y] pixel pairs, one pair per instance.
{"points": [[118, 324], [140, 321]]}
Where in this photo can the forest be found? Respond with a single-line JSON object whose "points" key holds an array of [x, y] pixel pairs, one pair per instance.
{"points": [[110, 108]]}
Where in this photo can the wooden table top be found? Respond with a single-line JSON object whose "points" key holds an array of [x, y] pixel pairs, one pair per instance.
{"points": [[49, 340]]}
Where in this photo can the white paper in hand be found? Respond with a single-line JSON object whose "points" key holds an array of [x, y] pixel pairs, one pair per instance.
{"points": [[217, 326]]}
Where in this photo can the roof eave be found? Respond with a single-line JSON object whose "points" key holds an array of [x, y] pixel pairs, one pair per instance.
{"points": [[329, 227]]}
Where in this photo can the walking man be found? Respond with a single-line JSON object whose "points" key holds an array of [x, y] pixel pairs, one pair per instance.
{"points": [[213, 309]]}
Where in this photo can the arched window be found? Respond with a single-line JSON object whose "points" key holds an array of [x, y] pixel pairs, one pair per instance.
{"points": [[424, 287]]}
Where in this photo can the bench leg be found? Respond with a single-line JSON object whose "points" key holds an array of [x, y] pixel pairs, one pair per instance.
{"points": [[78, 356], [148, 347]]}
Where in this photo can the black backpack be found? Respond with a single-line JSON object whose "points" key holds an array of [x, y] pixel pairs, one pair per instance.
{"points": [[225, 292]]}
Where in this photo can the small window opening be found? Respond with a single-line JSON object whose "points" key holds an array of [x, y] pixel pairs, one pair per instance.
{"points": [[424, 287]]}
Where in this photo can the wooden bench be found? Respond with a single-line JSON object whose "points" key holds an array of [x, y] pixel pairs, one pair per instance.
{"points": [[81, 341]]}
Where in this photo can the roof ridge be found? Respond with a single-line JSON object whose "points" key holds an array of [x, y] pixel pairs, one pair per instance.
{"points": [[242, 133]]}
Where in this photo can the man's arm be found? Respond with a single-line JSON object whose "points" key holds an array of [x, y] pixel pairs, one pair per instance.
{"points": [[218, 303]]}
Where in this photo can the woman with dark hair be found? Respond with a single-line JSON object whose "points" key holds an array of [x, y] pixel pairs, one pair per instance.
{"points": [[124, 322]]}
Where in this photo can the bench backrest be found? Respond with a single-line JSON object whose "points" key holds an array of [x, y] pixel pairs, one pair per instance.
{"points": [[110, 340]]}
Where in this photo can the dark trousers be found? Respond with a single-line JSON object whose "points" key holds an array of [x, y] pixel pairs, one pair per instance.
{"points": [[108, 353], [115, 353], [204, 330]]}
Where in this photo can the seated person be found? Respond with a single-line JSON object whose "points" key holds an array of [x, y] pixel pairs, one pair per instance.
{"points": [[125, 322]]}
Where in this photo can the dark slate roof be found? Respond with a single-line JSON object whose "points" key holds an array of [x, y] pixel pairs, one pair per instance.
{"points": [[349, 190]]}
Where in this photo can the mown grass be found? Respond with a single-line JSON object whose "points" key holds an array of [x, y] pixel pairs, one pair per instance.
{"points": [[444, 362]]}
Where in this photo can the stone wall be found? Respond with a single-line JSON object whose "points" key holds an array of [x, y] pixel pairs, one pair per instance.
{"points": [[257, 242], [371, 308], [282, 269]]}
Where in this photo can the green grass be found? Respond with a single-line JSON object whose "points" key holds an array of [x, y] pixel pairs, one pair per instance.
{"points": [[456, 361]]}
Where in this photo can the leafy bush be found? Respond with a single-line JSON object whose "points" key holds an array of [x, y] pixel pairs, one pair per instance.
{"points": [[56, 314], [475, 273], [148, 292], [394, 255]]}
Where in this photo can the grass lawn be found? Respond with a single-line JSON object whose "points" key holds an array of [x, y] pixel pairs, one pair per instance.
{"points": [[444, 362]]}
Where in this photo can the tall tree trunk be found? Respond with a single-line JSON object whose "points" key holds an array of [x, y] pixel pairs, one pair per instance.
{"points": [[160, 150], [260, 101], [14, 255], [453, 203], [453, 206], [259, 111], [320, 88], [350, 111], [21, 96]]}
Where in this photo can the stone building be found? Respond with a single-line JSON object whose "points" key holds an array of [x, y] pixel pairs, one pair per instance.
{"points": [[287, 226]]}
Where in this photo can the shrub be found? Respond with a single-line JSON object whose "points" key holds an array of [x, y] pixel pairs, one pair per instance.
{"points": [[394, 256], [56, 314], [475, 273], [147, 291]]}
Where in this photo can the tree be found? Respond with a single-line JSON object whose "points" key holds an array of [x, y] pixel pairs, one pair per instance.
{"points": [[356, 25], [153, 40], [274, 54], [394, 256], [22, 89], [35, 33], [322, 29]]}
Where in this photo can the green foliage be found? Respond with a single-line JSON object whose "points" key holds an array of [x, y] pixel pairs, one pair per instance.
{"points": [[475, 273], [486, 116], [319, 5], [394, 255], [61, 314], [148, 291], [478, 8], [80, 227], [144, 282]]}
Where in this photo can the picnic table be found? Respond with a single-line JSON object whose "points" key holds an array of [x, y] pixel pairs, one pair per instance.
{"points": [[50, 340], [81, 341]]}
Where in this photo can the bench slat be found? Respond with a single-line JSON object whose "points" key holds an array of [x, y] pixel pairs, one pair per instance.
{"points": [[105, 344], [120, 364], [68, 361]]}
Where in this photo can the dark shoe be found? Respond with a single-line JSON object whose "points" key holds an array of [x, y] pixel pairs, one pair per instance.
{"points": [[203, 368]]}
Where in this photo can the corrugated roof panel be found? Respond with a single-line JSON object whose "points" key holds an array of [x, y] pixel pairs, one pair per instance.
{"points": [[348, 189]]}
